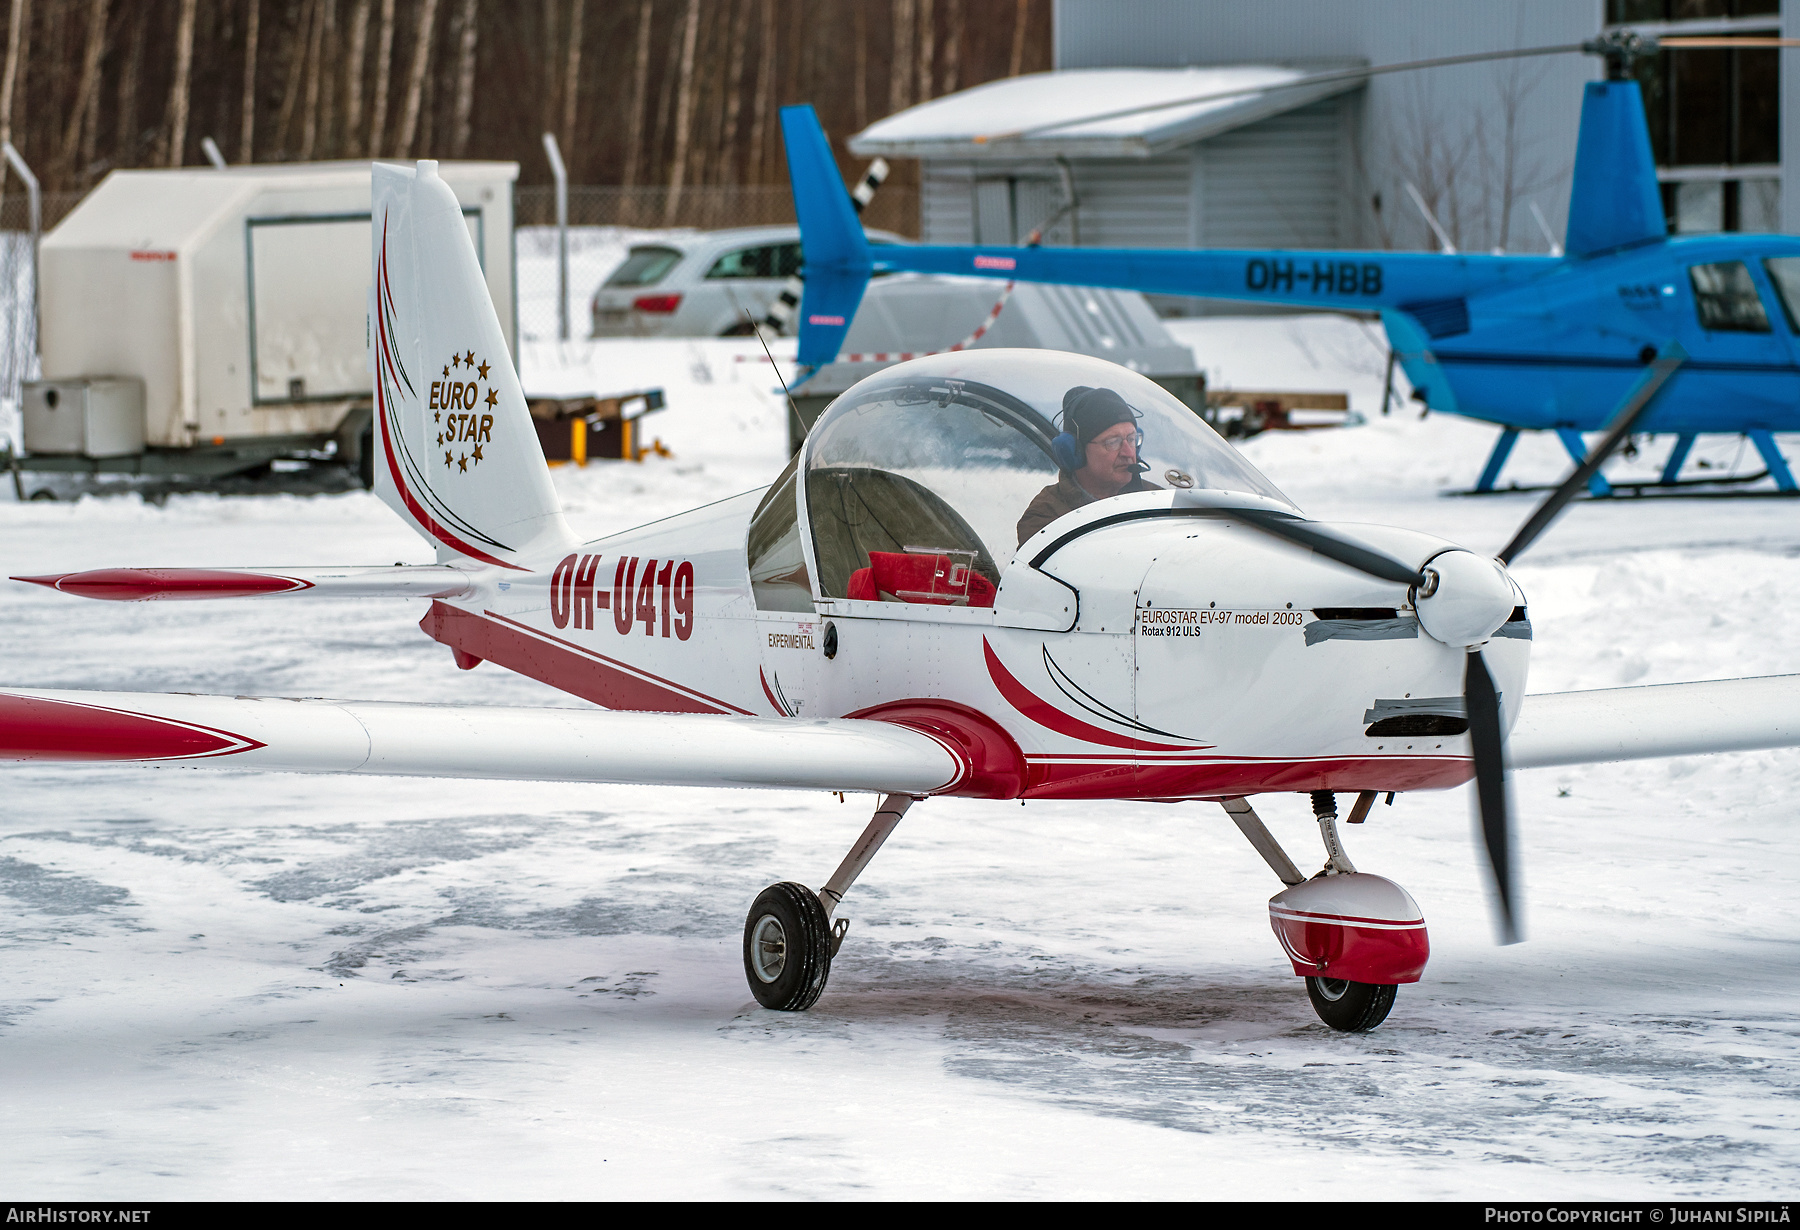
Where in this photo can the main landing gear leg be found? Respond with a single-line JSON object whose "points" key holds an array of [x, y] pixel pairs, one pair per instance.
{"points": [[1343, 1004], [789, 938]]}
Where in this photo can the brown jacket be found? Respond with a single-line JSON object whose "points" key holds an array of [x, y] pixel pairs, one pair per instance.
{"points": [[1064, 495]]}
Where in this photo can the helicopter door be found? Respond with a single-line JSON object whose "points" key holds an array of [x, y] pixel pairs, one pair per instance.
{"points": [[1737, 326]]}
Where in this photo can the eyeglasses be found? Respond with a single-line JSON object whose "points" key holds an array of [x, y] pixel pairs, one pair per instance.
{"points": [[1113, 444]]}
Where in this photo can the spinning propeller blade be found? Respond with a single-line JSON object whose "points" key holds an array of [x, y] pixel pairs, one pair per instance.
{"points": [[1487, 742], [1332, 546], [1633, 408]]}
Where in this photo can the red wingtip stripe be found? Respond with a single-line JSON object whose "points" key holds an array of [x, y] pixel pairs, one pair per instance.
{"points": [[154, 584], [34, 728]]}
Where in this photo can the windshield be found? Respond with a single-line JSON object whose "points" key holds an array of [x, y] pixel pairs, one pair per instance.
{"points": [[644, 267], [931, 473]]}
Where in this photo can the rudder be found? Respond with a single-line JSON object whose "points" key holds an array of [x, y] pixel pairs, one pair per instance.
{"points": [[456, 453]]}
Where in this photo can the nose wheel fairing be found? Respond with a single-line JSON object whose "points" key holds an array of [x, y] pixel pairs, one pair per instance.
{"points": [[1354, 937], [1357, 927]]}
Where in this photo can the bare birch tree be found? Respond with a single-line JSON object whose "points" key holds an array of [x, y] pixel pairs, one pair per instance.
{"points": [[353, 77], [860, 82], [927, 48], [900, 72], [87, 93], [465, 79], [734, 92], [315, 72], [684, 113], [415, 77], [178, 89], [1021, 20], [765, 84], [384, 63], [247, 117], [18, 30], [296, 81], [571, 71], [640, 84], [955, 31]]}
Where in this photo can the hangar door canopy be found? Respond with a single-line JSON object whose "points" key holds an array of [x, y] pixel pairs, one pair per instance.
{"points": [[307, 280]]}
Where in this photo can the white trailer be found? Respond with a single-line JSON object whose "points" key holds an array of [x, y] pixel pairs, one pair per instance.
{"points": [[236, 299]]}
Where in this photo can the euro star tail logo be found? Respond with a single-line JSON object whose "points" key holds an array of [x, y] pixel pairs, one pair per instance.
{"points": [[462, 410]]}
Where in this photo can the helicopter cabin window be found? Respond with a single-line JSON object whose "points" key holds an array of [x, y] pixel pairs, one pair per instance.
{"points": [[1784, 273], [1726, 300], [918, 476], [778, 577]]}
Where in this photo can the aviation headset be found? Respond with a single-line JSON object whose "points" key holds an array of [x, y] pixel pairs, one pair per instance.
{"points": [[1085, 414]]}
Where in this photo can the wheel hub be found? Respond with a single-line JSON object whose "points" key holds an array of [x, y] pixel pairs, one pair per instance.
{"points": [[768, 948]]}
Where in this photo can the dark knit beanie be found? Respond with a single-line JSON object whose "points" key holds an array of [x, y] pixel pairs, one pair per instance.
{"points": [[1088, 412]]}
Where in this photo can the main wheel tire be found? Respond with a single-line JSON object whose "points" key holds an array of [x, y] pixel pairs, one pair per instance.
{"points": [[1350, 1007], [787, 948]]}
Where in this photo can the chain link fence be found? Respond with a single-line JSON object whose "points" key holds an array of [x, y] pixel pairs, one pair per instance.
{"points": [[18, 315]]}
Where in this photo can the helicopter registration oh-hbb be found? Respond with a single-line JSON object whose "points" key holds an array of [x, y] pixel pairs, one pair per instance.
{"points": [[865, 624]]}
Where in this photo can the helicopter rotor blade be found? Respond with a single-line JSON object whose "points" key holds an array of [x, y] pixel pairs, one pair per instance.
{"points": [[1487, 745], [1689, 41], [1332, 546], [1636, 404], [1610, 45], [1345, 74]]}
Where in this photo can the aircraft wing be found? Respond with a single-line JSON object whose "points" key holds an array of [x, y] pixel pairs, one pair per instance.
{"points": [[582, 745], [1671, 719]]}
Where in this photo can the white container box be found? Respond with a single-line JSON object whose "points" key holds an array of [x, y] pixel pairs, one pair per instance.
{"points": [[101, 416]]}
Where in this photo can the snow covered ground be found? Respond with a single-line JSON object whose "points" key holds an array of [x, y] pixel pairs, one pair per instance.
{"points": [[259, 985]]}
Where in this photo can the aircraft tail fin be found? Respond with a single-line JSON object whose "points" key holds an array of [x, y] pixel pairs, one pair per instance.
{"points": [[1616, 201], [457, 455], [832, 242]]}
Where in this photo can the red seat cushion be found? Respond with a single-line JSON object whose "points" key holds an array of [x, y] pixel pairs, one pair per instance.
{"points": [[937, 580]]}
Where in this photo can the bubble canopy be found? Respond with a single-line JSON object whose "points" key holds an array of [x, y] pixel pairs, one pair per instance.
{"points": [[937, 459]]}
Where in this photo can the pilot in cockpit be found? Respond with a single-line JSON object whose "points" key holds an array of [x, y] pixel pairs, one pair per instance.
{"points": [[1097, 455]]}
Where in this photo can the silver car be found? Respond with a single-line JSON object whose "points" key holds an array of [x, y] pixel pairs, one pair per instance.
{"points": [[700, 285]]}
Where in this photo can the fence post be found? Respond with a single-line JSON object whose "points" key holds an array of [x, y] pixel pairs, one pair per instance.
{"points": [[562, 234], [36, 201]]}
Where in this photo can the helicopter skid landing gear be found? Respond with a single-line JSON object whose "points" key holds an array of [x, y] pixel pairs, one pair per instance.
{"points": [[1354, 937], [789, 937]]}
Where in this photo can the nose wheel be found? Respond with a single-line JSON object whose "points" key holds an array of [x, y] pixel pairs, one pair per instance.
{"points": [[1350, 1007]]}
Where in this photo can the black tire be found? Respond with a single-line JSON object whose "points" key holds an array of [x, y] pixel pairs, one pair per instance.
{"points": [[787, 948], [1350, 1007]]}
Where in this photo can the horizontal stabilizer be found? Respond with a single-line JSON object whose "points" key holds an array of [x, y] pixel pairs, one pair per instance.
{"points": [[181, 584], [409, 740], [1670, 719]]}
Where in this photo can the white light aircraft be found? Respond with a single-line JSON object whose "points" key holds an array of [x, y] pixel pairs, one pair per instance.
{"points": [[873, 622]]}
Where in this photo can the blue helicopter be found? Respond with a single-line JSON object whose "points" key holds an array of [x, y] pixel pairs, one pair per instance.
{"points": [[1686, 335]]}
